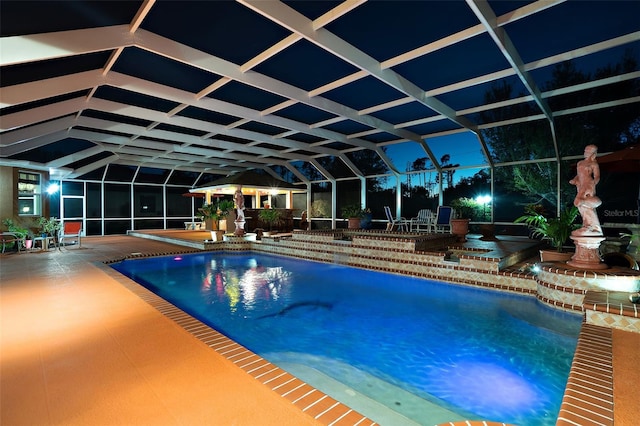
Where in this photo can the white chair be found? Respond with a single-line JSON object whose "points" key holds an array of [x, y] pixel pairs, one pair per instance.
{"points": [[70, 230], [401, 224], [443, 219], [423, 221]]}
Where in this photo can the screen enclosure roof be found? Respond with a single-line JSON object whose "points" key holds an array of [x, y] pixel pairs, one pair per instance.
{"points": [[222, 87]]}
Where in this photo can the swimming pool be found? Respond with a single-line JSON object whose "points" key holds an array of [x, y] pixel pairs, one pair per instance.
{"points": [[474, 352]]}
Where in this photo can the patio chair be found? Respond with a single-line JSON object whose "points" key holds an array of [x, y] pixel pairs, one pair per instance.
{"points": [[423, 221], [401, 224], [442, 223], [12, 237], [70, 230]]}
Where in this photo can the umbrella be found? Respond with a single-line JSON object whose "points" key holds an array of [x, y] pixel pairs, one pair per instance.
{"points": [[624, 161]]}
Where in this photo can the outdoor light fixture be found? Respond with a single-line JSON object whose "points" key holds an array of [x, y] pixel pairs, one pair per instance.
{"points": [[484, 200], [53, 188]]}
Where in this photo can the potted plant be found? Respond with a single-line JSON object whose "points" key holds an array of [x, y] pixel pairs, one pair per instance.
{"points": [[213, 213], [633, 246], [269, 216], [28, 240], [353, 213], [554, 230], [49, 227], [23, 234], [464, 210]]}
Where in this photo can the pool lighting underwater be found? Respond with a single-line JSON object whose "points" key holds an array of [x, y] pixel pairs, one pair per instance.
{"points": [[475, 352]]}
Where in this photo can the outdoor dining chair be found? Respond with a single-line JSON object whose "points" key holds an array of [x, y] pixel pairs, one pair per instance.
{"points": [[401, 224], [70, 230], [444, 215], [424, 221]]}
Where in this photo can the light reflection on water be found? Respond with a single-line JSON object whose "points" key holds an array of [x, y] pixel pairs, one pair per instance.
{"points": [[497, 356]]}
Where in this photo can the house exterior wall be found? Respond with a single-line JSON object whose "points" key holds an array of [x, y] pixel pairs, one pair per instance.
{"points": [[9, 192]]}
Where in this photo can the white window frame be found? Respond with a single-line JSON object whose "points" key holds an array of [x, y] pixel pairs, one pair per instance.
{"points": [[29, 191]]}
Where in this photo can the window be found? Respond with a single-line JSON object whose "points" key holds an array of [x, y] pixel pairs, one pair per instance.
{"points": [[29, 194]]}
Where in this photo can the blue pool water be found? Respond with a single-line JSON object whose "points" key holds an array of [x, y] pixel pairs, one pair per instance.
{"points": [[480, 353]]}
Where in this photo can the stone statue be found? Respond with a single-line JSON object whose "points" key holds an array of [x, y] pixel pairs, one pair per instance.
{"points": [[238, 198], [587, 177]]}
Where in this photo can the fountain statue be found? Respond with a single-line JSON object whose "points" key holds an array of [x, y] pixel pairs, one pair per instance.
{"points": [[587, 238], [238, 198], [587, 177], [568, 287]]}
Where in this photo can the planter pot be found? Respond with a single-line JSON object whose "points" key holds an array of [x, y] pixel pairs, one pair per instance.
{"points": [[460, 228], [354, 223], [488, 231], [555, 256], [28, 244], [210, 224], [217, 235]]}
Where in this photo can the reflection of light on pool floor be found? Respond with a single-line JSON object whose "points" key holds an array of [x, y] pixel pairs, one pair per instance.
{"points": [[377, 399], [486, 388]]}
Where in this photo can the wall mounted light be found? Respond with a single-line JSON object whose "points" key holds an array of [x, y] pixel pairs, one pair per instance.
{"points": [[53, 188]]}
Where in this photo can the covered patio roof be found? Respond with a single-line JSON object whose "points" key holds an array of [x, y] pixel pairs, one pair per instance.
{"points": [[252, 183]]}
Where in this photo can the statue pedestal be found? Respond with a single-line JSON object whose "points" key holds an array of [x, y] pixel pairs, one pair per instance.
{"points": [[587, 255], [247, 236], [239, 227]]}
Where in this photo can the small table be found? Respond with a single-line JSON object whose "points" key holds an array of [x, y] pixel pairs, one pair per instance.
{"points": [[44, 243]]}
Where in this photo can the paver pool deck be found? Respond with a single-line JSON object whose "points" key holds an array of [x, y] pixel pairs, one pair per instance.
{"points": [[77, 348]]}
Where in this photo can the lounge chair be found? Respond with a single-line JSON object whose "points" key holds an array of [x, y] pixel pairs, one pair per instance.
{"points": [[70, 230], [443, 219], [423, 222], [401, 224]]}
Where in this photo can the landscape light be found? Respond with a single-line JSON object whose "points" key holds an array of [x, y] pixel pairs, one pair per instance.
{"points": [[483, 199]]}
